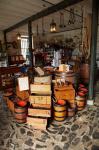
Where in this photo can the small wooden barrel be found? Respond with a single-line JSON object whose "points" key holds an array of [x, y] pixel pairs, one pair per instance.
{"points": [[67, 76], [80, 101], [71, 103], [60, 111], [71, 112], [20, 113]]}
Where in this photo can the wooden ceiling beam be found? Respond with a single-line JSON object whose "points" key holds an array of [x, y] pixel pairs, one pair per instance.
{"points": [[44, 13]]}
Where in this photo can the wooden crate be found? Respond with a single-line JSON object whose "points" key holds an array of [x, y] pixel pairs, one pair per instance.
{"points": [[39, 112], [64, 92], [37, 123], [47, 106], [36, 120], [40, 99], [40, 89], [42, 80]]}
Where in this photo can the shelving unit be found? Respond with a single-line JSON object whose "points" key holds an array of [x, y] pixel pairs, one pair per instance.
{"points": [[7, 76], [3, 56], [16, 60]]}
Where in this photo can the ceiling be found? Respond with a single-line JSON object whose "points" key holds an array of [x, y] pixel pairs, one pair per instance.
{"points": [[14, 11]]}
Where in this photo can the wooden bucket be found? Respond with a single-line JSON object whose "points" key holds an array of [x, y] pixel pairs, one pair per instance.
{"points": [[60, 111], [80, 101], [20, 113]]}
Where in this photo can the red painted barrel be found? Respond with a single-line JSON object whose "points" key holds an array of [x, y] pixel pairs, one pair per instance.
{"points": [[20, 113]]}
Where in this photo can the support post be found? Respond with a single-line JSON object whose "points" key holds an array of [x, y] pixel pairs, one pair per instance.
{"points": [[94, 30], [5, 39], [30, 43]]}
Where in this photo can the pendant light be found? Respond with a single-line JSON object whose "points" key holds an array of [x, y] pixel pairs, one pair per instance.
{"points": [[53, 26], [18, 36]]}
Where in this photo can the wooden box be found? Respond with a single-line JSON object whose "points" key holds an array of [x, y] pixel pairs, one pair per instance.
{"points": [[64, 92], [39, 112], [22, 94], [40, 89], [42, 80], [37, 123], [40, 101]]}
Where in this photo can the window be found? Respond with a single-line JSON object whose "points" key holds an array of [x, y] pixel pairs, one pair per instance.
{"points": [[25, 47]]}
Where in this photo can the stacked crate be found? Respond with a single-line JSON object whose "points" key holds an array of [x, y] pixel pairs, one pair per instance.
{"points": [[66, 92], [40, 105]]}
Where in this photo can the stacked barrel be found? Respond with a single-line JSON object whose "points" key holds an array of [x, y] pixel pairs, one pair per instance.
{"points": [[60, 110], [81, 97], [65, 92], [40, 105], [20, 111]]}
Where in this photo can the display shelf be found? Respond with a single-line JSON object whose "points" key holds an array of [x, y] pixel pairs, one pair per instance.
{"points": [[7, 73], [16, 59]]}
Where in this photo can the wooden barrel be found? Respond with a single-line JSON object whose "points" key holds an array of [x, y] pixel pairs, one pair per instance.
{"points": [[80, 101], [60, 111], [71, 103], [20, 113], [71, 112], [67, 76], [84, 72]]}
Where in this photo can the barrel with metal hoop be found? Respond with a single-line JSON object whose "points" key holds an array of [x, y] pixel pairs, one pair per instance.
{"points": [[71, 112], [20, 113], [81, 102], [60, 110], [67, 76]]}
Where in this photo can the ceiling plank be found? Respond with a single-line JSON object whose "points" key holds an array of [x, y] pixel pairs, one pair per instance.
{"points": [[45, 12]]}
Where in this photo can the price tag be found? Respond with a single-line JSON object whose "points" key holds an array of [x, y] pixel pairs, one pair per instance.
{"points": [[23, 83]]}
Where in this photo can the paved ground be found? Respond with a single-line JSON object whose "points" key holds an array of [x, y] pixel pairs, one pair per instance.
{"points": [[77, 133]]}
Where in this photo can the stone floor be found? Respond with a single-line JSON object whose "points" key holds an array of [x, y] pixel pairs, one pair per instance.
{"points": [[80, 132]]}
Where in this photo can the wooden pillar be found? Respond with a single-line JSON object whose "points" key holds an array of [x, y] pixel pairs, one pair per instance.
{"points": [[94, 30], [5, 39], [30, 43]]}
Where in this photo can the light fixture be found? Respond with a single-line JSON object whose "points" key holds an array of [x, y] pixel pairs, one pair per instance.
{"points": [[18, 36], [53, 26]]}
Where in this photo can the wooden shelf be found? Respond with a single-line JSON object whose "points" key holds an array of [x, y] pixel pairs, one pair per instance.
{"points": [[9, 70], [6, 71]]}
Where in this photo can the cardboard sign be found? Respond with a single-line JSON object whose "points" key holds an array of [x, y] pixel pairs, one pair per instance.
{"points": [[23, 83], [39, 71]]}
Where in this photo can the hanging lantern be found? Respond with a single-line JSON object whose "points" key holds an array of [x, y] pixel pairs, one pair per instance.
{"points": [[53, 26], [18, 36]]}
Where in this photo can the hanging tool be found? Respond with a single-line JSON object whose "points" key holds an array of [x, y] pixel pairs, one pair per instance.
{"points": [[71, 17]]}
